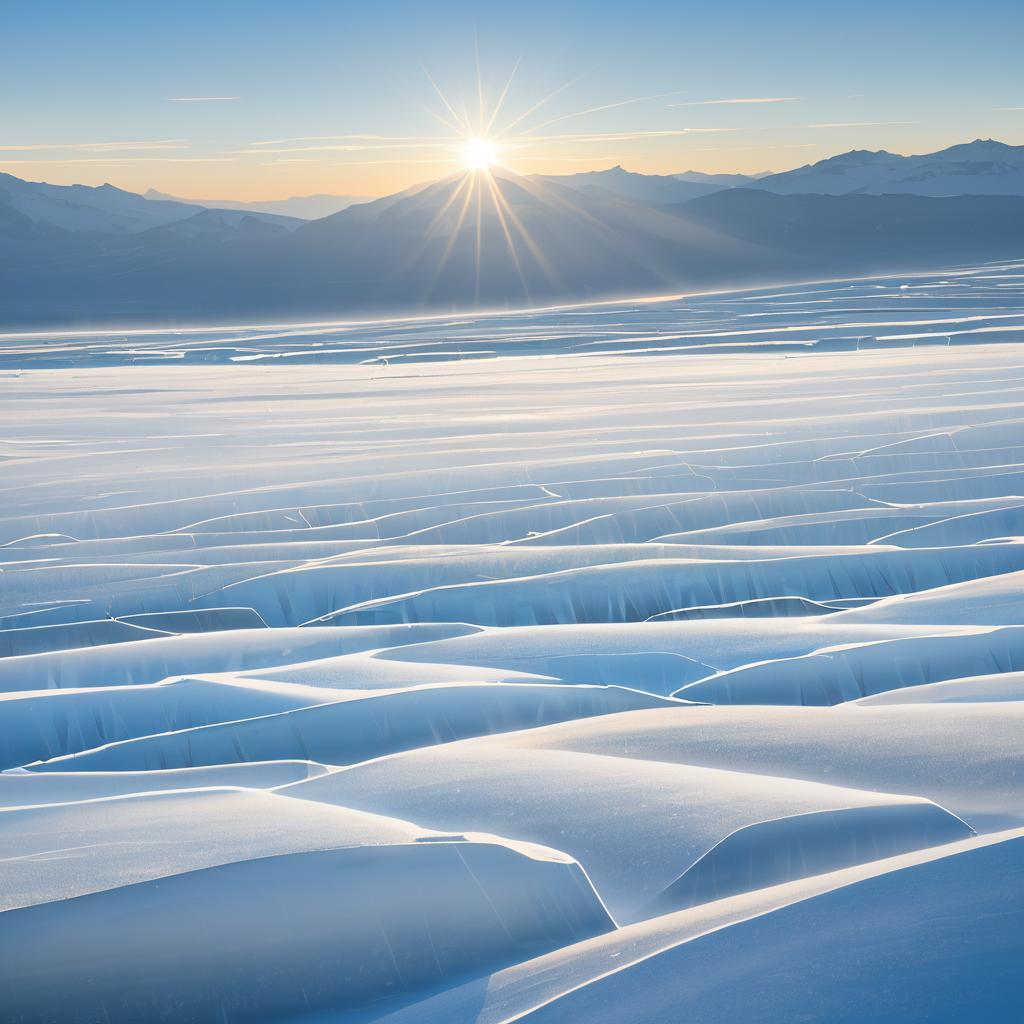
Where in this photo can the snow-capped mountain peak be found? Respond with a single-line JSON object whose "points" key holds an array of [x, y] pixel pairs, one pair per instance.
{"points": [[981, 167]]}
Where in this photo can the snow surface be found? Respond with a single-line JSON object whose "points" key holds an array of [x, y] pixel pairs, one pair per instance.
{"points": [[666, 665], [666, 817], [919, 937]]}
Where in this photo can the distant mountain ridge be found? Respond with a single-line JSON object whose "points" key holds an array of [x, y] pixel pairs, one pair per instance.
{"points": [[100, 208], [982, 167], [658, 189], [727, 180], [311, 207], [100, 256]]}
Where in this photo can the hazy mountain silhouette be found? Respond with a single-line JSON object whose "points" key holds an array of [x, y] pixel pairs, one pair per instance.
{"points": [[101, 208], [301, 207], [725, 180], [480, 241], [536, 240], [982, 167], [656, 189]]}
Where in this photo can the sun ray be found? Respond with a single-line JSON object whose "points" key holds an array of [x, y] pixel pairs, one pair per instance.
{"points": [[501, 98], [452, 237], [499, 202], [480, 101], [446, 207], [417, 251], [464, 107], [459, 133], [531, 245], [560, 201], [536, 106], [479, 239], [465, 128]]}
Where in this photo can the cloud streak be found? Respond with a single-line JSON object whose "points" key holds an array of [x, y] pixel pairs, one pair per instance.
{"points": [[755, 149], [349, 147], [127, 161], [97, 147], [626, 136], [361, 138], [862, 124], [602, 107], [202, 99], [728, 103]]}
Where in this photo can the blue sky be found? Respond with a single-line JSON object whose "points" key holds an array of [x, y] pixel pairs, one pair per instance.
{"points": [[75, 76]]}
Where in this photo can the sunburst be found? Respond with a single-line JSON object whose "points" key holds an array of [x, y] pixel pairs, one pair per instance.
{"points": [[486, 190]]}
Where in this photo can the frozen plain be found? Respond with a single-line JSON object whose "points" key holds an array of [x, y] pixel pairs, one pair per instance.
{"points": [[645, 661]]}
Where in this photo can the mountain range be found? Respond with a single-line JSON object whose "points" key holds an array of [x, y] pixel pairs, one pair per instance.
{"points": [[302, 207], [88, 257], [103, 209], [982, 167], [652, 189]]}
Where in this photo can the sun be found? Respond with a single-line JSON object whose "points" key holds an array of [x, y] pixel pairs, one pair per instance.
{"points": [[479, 153]]}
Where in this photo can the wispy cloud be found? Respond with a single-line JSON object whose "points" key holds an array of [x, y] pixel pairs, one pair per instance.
{"points": [[202, 99], [120, 164], [544, 158], [754, 149], [182, 160], [419, 161], [727, 103], [862, 124], [383, 139], [627, 136], [98, 147], [602, 107], [128, 161], [347, 147], [1008, 108]]}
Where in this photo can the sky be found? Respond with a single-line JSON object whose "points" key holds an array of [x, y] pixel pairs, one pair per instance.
{"points": [[251, 99]]}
